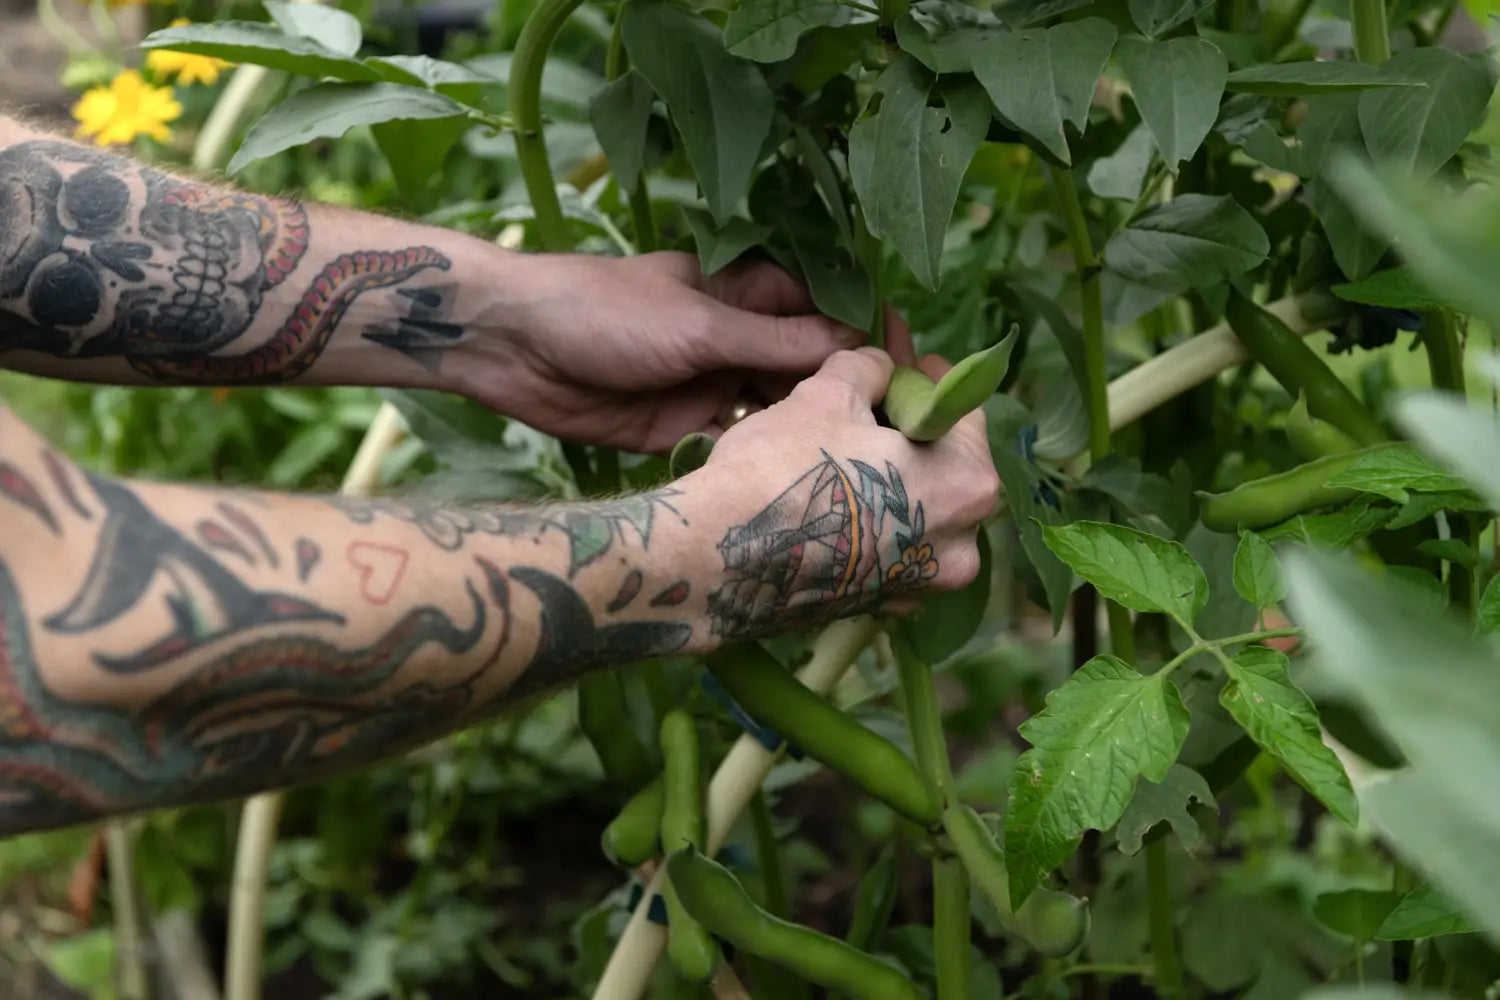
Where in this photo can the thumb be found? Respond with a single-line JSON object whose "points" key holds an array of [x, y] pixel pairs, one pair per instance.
{"points": [[794, 345]]}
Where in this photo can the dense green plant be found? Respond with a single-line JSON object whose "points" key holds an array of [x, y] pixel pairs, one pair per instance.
{"points": [[1163, 198]]}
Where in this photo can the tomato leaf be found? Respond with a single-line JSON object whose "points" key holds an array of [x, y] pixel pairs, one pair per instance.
{"points": [[1255, 574], [1105, 727], [1356, 913], [1283, 722], [1396, 472], [1423, 913], [1166, 801], [1130, 567]]}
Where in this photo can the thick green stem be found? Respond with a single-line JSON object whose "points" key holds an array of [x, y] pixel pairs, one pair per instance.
{"points": [[950, 929], [1095, 362], [1163, 938], [925, 720], [770, 978], [1445, 363], [646, 238], [1372, 40], [526, 112]]}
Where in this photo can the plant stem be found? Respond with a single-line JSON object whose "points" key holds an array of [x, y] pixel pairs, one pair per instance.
{"points": [[1445, 363], [950, 929], [129, 940], [768, 976], [646, 238], [1095, 364], [1159, 903], [526, 111], [1372, 40], [924, 718]]}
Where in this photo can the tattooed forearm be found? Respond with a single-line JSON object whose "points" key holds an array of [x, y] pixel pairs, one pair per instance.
{"points": [[105, 259]]}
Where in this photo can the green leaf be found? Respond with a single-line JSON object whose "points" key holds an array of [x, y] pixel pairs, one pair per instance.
{"points": [[1021, 479], [1423, 913], [720, 104], [841, 287], [416, 149], [1371, 991], [907, 161], [260, 45], [1393, 288], [1424, 505], [1263, 144], [1331, 128], [84, 961], [620, 113], [1395, 472], [1043, 78], [1177, 85], [947, 620], [1121, 174], [1194, 240], [767, 30], [1255, 574], [1023, 13], [1356, 913], [328, 110], [1487, 615], [1299, 79], [1141, 571], [1335, 530], [942, 36], [334, 29], [720, 247], [1283, 722], [1157, 17], [1444, 717], [1166, 801], [1417, 128], [459, 82], [1104, 728]]}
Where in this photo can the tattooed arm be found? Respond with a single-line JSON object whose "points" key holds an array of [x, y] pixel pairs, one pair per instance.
{"points": [[115, 271], [165, 644]]}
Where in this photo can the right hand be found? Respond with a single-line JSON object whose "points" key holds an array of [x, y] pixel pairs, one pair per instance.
{"points": [[796, 551]]}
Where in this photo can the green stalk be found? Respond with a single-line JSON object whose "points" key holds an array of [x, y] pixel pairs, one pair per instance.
{"points": [[926, 722], [769, 977], [1372, 40], [526, 112], [1445, 362], [950, 929], [1095, 363], [1159, 904]]}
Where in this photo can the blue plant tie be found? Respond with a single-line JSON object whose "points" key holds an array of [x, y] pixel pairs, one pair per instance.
{"points": [[764, 735]]}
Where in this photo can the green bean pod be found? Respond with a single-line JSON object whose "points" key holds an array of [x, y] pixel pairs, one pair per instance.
{"points": [[1052, 922], [924, 410], [715, 897], [633, 836], [1313, 438], [1270, 500], [1299, 369], [775, 698], [690, 947], [690, 453], [603, 717], [874, 899]]}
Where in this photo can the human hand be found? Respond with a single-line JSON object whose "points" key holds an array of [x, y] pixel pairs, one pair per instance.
{"points": [[636, 352], [830, 514]]}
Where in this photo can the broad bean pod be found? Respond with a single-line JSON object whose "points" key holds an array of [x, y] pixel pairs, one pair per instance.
{"points": [[1270, 500], [690, 947], [925, 410], [632, 837]]}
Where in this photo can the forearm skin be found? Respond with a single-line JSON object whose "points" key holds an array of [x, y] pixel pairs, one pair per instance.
{"points": [[114, 271]]}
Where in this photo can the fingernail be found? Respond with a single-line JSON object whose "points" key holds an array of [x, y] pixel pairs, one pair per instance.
{"points": [[848, 336]]}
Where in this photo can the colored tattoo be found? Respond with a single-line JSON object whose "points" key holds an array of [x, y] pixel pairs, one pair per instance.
{"points": [[246, 526], [103, 257], [63, 480], [380, 568], [20, 490], [843, 538], [592, 529]]}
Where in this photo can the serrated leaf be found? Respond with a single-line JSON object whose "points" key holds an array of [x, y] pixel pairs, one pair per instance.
{"points": [[332, 28], [720, 104], [260, 45], [1166, 801], [1130, 567], [1417, 128], [1255, 574], [1423, 913], [720, 247], [1424, 505], [907, 161], [328, 110], [767, 30], [1336, 529], [620, 114], [1104, 728], [1299, 79], [1395, 472], [1121, 174], [1356, 913], [1157, 17], [1194, 240], [1043, 78], [1393, 288], [1283, 722], [1176, 85]]}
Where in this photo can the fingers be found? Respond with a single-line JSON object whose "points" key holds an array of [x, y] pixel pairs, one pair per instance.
{"points": [[934, 366], [795, 345], [865, 374], [898, 338], [760, 286]]}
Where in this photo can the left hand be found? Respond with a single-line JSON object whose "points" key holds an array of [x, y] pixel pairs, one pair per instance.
{"points": [[636, 352]]}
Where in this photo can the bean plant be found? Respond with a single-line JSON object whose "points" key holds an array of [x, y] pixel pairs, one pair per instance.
{"points": [[1210, 268]]}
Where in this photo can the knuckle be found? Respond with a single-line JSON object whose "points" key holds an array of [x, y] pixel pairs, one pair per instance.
{"points": [[959, 566]]}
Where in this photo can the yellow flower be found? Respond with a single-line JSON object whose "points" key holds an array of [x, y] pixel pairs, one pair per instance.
{"points": [[916, 567], [188, 68], [126, 108]]}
